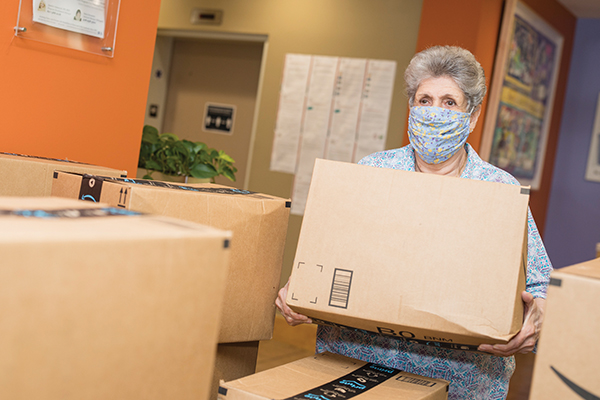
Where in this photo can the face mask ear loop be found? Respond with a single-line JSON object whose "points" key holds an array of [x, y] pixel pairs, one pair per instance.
{"points": [[470, 116]]}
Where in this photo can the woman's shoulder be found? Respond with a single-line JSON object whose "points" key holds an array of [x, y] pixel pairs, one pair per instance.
{"points": [[401, 158], [484, 171]]}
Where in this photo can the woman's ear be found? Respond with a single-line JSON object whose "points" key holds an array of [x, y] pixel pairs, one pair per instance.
{"points": [[474, 118]]}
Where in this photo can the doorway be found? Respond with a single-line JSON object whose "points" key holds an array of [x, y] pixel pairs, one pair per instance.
{"points": [[192, 71]]}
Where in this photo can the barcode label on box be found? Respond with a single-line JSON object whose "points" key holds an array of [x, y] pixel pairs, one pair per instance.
{"points": [[340, 288]]}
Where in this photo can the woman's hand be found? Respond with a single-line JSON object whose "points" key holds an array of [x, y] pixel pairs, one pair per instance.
{"points": [[291, 317], [525, 340]]}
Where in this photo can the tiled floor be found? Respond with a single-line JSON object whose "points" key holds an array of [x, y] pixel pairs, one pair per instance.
{"points": [[292, 343]]}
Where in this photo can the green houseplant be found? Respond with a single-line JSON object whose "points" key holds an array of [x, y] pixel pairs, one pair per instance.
{"points": [[167, 154]]}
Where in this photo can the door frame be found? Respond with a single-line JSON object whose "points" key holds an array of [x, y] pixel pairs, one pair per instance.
{"points": [[230, 36]]}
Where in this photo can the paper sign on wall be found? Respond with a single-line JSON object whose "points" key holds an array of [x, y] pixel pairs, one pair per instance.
{"points": [[218, 118], [330, 107], [81, 16]]}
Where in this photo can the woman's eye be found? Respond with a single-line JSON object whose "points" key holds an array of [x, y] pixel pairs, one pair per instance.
{"points": [[451, 103]]}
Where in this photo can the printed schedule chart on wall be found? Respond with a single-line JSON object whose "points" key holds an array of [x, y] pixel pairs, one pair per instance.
{"points": [[329, 107]]}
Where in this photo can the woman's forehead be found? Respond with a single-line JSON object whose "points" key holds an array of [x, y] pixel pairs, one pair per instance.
{"points": [[439, 87]]}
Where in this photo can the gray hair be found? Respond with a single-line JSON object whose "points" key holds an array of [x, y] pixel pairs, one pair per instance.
{"points": [[451, 61]]}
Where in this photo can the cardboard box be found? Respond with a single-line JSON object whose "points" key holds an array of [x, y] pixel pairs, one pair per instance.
{"points": [[22, 175], [567, 363], [259, 226], [102, 303], [329, 376], [420, 257], [234, 361]]}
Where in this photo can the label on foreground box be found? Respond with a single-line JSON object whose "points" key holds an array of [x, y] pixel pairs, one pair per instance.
{"points": [[103, 303], [567, 363], [331, 376], [258, 223], [419, 257], [32, 176]]}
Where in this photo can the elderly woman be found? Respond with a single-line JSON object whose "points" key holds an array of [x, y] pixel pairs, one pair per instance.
{"points": [[446, 87]]}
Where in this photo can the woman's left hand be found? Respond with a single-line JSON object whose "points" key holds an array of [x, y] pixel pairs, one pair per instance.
{"points": [[525, 340]]}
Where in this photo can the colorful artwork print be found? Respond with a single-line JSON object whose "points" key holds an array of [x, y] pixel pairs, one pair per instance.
{"points": [[517, 139]]}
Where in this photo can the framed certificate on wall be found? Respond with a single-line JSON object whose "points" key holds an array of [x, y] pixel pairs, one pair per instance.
{"points": [[84, 25]]}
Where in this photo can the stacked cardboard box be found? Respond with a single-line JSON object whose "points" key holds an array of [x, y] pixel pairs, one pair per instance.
{"points": [[32, 176], [331, 376], [420, 257], [568, 358], [102, 303], [259, 226]]}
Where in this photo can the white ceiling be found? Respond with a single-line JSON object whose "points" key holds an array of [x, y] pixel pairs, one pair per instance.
{"points": [[583, 8]]}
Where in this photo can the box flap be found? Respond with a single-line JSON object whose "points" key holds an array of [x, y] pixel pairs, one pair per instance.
{"points": [[589, 269]]}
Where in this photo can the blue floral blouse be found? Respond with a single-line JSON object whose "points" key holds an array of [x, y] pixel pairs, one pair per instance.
{"points": [[471, 375]]}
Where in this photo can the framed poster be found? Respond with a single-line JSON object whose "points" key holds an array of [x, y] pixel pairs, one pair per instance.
{"points": [[592, 172], [79, 16], [522, 94], [84, 25]]}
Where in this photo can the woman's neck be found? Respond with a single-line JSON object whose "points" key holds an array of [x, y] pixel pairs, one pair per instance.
{"points": [[453, 166]]}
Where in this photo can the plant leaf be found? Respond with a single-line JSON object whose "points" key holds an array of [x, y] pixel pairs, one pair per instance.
{"points": [[151, 164], [203, 171], [170, 137], [225, 157], [228, 174], [149, 134]]}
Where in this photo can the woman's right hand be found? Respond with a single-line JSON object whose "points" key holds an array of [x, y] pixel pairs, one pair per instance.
{"points": [[291, 317]]}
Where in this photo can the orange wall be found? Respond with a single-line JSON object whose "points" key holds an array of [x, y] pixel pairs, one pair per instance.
{"points": [[475, 25], [62, 103]]}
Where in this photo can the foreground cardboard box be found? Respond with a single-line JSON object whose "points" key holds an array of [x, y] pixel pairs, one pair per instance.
{"points": [[419, 257], [567, 363], [22, 175], [258, 222], [101, 304], [330, 376], [234, 361]]}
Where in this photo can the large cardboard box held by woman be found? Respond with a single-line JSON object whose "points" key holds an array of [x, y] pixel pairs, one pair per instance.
{"points": [[258, 223], [22, 175], [567, 363], [103, 303], [420, 257], [331, 376]]}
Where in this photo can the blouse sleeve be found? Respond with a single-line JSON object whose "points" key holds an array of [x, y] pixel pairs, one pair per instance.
{"points": [[538, 263]]}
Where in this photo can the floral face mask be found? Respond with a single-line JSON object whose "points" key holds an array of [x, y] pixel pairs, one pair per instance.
{"points": [[437, 133]]}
